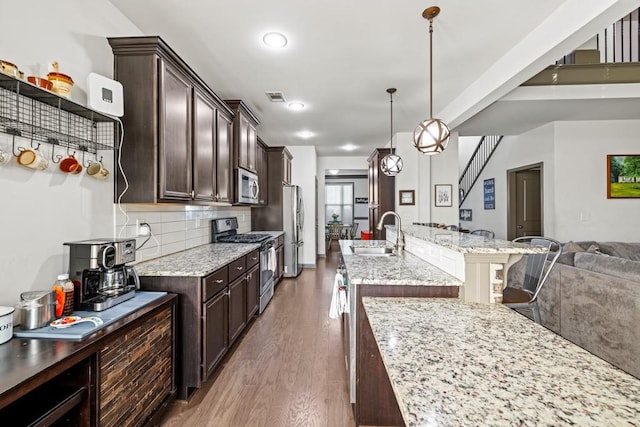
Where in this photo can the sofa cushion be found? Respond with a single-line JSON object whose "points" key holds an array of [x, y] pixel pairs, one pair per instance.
{"points": [[621, 250], [572, 246], [614, 266]]}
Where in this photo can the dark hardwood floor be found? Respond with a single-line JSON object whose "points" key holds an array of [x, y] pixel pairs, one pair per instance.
{"points": [[288, 369]]}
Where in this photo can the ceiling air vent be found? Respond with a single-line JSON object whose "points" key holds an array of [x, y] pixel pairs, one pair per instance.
{"points": [[275, 96]]}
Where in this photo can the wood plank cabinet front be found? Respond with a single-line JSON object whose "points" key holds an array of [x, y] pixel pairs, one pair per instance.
{"points": [[177, 131]]}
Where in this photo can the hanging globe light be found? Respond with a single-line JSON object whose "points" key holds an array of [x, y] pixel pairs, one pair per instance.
{"points": [[431, 136], [391, 164]]}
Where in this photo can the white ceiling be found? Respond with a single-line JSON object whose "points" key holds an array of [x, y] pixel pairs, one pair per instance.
{"points": [[343, 55]]}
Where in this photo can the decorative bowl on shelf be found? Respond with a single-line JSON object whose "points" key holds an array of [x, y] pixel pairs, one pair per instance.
{"points": [[40, 82], [62, 83], [9, 68]]}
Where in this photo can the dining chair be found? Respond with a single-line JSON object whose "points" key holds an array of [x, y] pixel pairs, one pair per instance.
{"points": [[333, 232], [536, 272], [354, 230], [485, 233]]}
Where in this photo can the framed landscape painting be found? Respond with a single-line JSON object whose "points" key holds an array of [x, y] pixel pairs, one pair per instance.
{"points": [[623, 176]]}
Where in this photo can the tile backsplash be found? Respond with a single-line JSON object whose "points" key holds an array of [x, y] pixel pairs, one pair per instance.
{"points": [[173, 228]]}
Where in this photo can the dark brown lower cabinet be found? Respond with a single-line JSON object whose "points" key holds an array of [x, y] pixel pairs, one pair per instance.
{"points": [[213, 313], [237, 308], [216, 321], [279, 261]]}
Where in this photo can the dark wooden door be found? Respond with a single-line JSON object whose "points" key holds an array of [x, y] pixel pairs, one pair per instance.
{"points": [[204, 141], [528, 203], [223, 158], [175, 134], [237, 307], [216, 339], [253, 291]]}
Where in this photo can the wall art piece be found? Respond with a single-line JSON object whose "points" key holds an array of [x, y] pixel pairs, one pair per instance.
{"points": [[465, 215], [623, 176], [490, 193], [443, 195], [407, 197]]}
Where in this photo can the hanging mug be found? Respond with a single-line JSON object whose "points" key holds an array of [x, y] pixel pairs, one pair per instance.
{"points": [[97, 171], [33, 159], [70, 164]]}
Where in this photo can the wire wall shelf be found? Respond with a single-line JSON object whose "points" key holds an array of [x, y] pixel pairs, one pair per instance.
{"points": [[37, 114]]}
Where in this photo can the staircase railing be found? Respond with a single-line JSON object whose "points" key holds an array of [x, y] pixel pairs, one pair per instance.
{"points": [[619, 42], [483, 152]]}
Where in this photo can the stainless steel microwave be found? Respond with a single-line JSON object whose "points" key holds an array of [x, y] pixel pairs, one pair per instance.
{"points": [[247, 188]]}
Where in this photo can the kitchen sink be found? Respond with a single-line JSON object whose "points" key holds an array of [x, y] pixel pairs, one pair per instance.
{"points": [[375, 251]]}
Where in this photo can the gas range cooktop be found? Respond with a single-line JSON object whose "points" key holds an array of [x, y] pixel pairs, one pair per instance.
{"points": [[243, 238]]}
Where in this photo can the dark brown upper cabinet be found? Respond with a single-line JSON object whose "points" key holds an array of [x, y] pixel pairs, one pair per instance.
{"points": [[245, 140], [177, 132], [262, 170]]}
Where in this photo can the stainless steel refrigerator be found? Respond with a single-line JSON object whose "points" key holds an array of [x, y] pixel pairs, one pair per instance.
{"points": [[293, 226]]}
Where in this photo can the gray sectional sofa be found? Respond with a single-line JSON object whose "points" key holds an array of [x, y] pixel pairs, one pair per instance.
{"points": [[592, 298]]}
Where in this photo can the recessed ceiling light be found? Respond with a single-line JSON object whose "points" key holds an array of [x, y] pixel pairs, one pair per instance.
{"points": [[296, 106], [349, 147], [274, 39], [306, 134]]}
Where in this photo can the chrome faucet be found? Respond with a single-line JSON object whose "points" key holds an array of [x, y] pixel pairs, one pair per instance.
{"points": [[399, 233]]}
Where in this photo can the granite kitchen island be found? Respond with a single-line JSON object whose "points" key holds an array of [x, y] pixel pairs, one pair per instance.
{"points": [[398, 275], [451, 363]]}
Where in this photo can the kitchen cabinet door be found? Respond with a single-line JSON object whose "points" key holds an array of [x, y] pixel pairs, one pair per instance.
{"points": [[245, 137], [223, 158], [253, 291], [262, 172], [215, 336], [237, 308], [204, 141], [175, 134], [286, 168]]}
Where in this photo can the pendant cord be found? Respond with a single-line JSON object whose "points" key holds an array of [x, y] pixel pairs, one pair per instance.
{"points": [[391, 138], [431, 68]]}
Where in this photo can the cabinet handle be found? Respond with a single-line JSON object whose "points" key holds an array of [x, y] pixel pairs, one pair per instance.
{"points": [[239, 268], [193, 194], [254, 258], [219, 281]]}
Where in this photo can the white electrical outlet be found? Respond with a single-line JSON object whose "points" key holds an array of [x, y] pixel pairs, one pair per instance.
{"points": [[142, 230]]}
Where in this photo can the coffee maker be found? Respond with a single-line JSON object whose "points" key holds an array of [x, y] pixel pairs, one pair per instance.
{"points": [[99, 272]]}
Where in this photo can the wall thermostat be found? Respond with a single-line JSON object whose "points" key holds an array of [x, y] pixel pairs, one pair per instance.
{"points": [[105, 95]]}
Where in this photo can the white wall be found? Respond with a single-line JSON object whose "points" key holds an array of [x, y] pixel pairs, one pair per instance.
{"points": [[42, 210], [323, 164], [583, 211], [574, 161], [303, 173], [532, 147]]}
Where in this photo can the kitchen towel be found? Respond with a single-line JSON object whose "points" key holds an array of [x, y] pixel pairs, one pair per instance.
{"points": [[271, 260], [339, 301]]}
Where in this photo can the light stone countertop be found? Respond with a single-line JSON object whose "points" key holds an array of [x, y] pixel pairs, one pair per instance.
{"points": [[401, 269], [199, 261], [453, 364], [464, 242]]}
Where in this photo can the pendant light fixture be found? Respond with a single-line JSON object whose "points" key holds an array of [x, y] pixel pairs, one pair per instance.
{"points": [[431, 136], [391, 164]]}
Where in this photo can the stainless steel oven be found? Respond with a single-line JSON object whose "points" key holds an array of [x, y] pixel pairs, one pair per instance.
{"points": [[247, 188], [268, 265]]}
